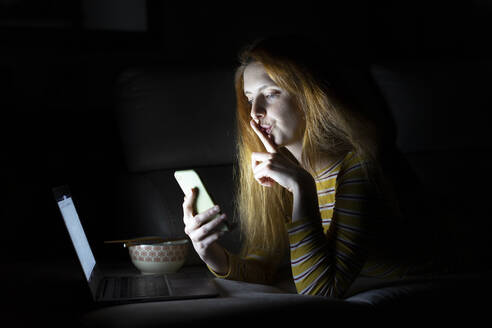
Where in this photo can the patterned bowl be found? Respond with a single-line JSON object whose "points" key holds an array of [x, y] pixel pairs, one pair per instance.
{"points": [[162, 257]]}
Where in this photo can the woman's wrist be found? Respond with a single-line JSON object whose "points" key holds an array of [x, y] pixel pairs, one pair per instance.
{"points": [[218, 261]]}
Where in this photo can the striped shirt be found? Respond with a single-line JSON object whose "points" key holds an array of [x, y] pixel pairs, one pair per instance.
{"points": [[327, 255]]}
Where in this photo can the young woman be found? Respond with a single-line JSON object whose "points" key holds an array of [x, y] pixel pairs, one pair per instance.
{"points": [[310, 181]]}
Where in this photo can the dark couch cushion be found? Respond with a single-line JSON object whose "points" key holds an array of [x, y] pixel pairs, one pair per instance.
{"points": [[172, 118], [446, 297]]}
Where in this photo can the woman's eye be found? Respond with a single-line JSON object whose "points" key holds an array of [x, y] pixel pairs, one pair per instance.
{"points": [[268, 96]]}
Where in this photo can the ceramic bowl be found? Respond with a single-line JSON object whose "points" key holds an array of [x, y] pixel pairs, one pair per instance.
{"points": [[165, 257]]}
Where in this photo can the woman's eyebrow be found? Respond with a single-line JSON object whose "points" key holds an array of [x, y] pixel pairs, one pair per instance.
{"points": [[259, 89]]}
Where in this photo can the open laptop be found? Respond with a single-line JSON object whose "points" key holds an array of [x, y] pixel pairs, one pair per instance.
{"points": [[127, 289]]}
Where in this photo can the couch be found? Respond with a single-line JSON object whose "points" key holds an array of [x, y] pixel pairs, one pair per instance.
{"points": [[178, 118]]}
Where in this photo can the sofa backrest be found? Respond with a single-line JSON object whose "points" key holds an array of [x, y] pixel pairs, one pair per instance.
{"points": [[437, 105], [442, 110], [172, 119]]}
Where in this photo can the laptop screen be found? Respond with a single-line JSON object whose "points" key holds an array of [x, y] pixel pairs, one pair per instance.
{"points": [[77, 235]]}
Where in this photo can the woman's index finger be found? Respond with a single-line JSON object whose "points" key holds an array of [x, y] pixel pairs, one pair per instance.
{"points": [[267, 142]]}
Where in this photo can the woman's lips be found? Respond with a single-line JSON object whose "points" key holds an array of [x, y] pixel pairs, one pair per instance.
{"points": [[266, 128]]}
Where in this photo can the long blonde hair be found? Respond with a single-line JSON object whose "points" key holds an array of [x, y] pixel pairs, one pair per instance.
{"points": [[332, 129]]}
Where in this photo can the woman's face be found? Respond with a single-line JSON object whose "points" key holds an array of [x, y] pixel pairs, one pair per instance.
{"points": [[272, 107]]}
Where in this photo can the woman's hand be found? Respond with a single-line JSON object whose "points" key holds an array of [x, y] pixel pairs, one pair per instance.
{"points": [[272, 166], [202, 230]]}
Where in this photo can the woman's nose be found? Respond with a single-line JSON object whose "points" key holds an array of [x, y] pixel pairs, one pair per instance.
{"points": [[257, 109]]}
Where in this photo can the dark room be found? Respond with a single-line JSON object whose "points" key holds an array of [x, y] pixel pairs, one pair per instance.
{"points": [[342, 144]]}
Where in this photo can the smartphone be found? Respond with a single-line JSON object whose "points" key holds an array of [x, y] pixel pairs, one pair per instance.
{"points": [[188, 179]]}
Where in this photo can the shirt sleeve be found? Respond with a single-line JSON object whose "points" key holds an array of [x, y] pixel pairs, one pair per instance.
{"points": [[327, 264], [253, 268]]}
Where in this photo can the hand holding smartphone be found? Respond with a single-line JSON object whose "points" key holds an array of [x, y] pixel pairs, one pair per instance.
{"points": [[189, 179]]}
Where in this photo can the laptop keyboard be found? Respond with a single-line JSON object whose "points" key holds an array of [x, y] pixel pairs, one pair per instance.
{"points": [[138, 286]]}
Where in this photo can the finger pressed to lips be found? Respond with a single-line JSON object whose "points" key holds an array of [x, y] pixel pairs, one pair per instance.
{"points": [[266, 129], [267, 142]]}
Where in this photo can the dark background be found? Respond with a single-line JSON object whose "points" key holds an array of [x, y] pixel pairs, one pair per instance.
{"points": [[59, 61]]}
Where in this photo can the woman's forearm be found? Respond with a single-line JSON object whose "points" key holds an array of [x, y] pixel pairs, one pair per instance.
{"points": [[305, 203]]}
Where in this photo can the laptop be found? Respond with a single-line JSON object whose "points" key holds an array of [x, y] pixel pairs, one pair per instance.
{"points": [[135, 288]]}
